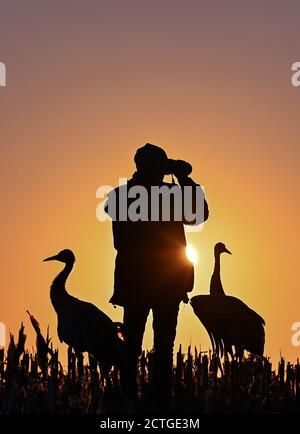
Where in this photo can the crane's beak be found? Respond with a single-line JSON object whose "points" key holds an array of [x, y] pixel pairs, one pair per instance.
{"points": [[51, 258], [227, 251]]}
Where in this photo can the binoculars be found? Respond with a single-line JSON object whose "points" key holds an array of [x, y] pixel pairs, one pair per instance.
{"points": [[178, 168]]}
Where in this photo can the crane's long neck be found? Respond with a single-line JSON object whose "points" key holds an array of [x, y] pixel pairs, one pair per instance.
{"points": [[58, 292], [216, 287]]}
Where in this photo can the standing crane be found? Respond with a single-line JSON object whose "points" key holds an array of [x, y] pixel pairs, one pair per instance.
{"points": [[228, 321], [81, 324]]}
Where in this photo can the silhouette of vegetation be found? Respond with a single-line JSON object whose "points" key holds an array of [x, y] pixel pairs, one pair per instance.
{"points": [[37, 383]]}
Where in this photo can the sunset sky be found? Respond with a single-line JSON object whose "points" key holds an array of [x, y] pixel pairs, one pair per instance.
{"points": [[210, 81]]}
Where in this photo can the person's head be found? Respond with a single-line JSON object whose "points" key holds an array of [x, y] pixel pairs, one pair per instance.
{"points": [[151, 162]]}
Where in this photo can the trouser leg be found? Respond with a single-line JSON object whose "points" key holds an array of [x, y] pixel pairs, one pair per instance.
{"points": [[164, 327], [134, 320]]}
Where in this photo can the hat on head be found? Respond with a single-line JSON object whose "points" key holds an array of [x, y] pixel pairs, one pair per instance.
{"points": [[147, 154]]}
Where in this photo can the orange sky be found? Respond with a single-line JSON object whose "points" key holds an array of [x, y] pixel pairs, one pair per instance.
{"points": [[88, 84]]}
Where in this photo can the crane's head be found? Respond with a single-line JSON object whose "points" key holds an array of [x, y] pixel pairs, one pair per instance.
{"points": [[221, 248], [66, 256]]}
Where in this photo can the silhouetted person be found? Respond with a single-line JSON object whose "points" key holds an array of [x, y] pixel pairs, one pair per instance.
{"points": [[151, 269]]}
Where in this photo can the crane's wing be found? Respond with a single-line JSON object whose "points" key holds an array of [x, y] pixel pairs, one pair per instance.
{"points": [[210, 312], [238, 307], [246, 327], [227, 319], [210, 308], [85, 327]]}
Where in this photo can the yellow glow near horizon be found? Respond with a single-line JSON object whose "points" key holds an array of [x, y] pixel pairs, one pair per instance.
{"points": [[79, 147], [191, 254]]}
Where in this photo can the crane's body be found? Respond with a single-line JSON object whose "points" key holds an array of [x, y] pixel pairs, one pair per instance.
{"points": [[81, 324], [228, 321]]}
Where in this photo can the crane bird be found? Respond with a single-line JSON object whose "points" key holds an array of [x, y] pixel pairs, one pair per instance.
{"points": [[81, 324], [228, 321]]}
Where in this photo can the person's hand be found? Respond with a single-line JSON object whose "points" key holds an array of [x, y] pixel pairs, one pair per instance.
{"points": [[181, 168]]}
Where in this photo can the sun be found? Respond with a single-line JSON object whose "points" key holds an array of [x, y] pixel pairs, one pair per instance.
{"points": [[191, 253]]}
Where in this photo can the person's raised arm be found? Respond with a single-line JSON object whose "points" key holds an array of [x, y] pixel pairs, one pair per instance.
{"points": [[195, 207]]}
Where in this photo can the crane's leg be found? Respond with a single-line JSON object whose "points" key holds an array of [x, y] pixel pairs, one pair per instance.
{"points": [[222, 347], [80, 368], [212, 341], [239, 353], [218, 347], [229, 350], [105, 377]]}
